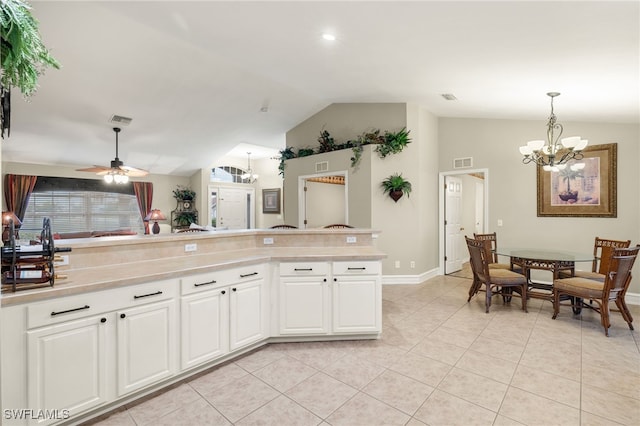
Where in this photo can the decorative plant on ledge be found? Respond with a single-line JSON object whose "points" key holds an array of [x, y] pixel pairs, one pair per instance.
{"points": [[24, 56], [387, 144], [396, 186]]}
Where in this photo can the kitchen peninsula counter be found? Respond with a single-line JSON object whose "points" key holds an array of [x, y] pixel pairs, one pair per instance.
{"points": [[109, 262]]}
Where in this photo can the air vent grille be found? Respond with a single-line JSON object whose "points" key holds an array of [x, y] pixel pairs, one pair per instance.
{"points": [[322, 166], [119, 119], [462, 163]]}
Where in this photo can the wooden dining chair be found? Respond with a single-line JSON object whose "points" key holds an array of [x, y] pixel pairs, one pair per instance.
{"points": [[602, 249], [492, 254], [613, 289], [496, 281], [338, 226]]}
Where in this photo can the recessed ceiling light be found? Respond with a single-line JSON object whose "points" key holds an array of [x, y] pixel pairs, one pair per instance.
{"points": [[329, 37]]}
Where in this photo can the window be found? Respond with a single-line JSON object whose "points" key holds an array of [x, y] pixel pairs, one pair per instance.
{"points": [[76, 205], [228, 174]]}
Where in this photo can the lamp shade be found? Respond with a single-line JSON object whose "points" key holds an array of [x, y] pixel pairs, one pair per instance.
{"points": [[7, 216], [155, 214]]}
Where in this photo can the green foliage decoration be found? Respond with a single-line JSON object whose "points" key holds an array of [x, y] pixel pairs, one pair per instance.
{"points": [[393, 143], [24, 56], [285, 154], [396, 182], [183, 193]]}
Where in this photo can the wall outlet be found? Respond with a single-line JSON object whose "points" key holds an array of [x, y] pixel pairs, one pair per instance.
{"points": [[499, 222], [412, 264], [397, 264], [351, 240], [190, 247], [268, 240]]}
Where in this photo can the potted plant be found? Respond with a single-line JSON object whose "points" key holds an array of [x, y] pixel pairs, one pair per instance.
{"points": [[24, 56], [184, 218], [184, 193], [396, 186]]}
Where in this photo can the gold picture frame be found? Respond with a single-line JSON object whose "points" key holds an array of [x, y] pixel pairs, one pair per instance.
{"points": [[590, 192], [271, 200]]}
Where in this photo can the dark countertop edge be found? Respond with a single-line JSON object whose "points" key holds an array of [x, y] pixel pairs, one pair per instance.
{"points": [[60, 290]]}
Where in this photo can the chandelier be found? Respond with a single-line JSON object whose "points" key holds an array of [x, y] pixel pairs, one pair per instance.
{"points": [[554, 153], [249, 175]]}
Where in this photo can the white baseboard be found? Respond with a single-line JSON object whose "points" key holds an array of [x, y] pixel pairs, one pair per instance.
{"points": [[409, 279], [631, 298]]}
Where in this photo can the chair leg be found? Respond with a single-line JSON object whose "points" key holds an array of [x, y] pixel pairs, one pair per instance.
{"points": [[475, 286], [622, 305], [487, 301], [604, 316], [556, 303]]}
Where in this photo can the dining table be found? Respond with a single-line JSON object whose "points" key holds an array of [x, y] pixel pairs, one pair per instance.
{"points": [[553, 260]]}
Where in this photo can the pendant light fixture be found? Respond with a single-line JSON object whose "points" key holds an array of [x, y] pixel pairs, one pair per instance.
{"points": [[249, 175], [554, 153]]}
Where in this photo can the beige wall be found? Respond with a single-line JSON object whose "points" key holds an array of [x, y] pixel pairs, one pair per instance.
{"points": [[493, 144], [409, 227]]}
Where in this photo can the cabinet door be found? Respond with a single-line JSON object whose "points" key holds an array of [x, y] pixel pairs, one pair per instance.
{"points": [[304, 305], [205, 326], [67, 367], [146, 345], [248, 313], [357, 305]]}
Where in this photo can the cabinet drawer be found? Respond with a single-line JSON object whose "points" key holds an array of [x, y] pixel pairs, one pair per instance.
{"points": [[79, 306], [69, 308], [365, 267], [202, 282], [304, 268], [246, 273]]}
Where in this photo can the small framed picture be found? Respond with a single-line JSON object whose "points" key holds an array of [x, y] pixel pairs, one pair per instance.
{"points": [[271, 200]]}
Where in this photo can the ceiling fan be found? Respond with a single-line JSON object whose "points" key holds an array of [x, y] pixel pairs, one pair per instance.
{"points": [[118, 172]]}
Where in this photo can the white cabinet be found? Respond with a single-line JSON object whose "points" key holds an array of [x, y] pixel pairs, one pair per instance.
{"points": [[330, 298], [204, 326], [222, 311], [86, 350], [248, 308], [146, 345], [305, 306], [357, 297], [67, 365]]}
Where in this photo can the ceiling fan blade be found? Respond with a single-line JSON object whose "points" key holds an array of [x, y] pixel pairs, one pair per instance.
{"points": [[95, 169], [134, 172]]}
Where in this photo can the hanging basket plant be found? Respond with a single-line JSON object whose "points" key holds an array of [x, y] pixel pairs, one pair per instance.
{"points": [[23, 54], [396, 186]]}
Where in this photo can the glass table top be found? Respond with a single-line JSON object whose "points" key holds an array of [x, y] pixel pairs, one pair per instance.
{"points": [[545, 254]]}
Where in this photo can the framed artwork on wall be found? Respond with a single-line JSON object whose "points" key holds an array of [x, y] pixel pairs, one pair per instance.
{"points": [[271, 200], [589, 191]]}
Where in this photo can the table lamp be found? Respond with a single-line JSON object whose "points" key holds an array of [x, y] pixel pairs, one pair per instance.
{"points": [[7, 217], [155, 215]]}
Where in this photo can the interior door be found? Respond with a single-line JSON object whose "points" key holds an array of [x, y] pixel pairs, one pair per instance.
{"points": [[235, 208], [453, 224]]}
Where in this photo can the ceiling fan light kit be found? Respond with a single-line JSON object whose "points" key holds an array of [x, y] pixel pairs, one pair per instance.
{"points": [[117, 173]]}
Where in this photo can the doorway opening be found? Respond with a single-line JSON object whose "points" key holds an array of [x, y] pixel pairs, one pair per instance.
{"points": [[464, 209], [323, 199]]}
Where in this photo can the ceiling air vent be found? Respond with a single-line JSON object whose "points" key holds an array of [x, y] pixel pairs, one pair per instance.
{"points": [[120, 120], [322, 166], [462, 163]]}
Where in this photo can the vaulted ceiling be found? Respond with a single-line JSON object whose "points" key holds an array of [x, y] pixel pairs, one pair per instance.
{"points": [[198, 78]]}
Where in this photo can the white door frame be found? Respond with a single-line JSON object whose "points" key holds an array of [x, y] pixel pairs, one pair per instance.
{"points": [[301, 197], [441, 211]]}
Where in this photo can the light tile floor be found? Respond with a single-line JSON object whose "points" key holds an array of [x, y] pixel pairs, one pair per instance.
{"points": [[440, 361]]}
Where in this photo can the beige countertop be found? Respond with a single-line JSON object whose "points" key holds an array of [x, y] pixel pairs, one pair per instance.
{"points": [[139, 271]]}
